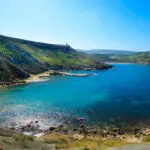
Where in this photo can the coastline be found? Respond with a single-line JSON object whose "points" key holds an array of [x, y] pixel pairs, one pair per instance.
{"points": [[42, 77], [81, 134], [57, 71], [60, 139]]}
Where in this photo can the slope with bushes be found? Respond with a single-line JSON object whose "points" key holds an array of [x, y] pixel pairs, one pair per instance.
{"points": [[31, 57]]}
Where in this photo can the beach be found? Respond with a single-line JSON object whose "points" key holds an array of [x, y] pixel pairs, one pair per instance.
{"points": [[38, 77], [42, 76]]}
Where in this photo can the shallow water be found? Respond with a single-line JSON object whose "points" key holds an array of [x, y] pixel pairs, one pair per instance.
{"points": [[118, 95]]}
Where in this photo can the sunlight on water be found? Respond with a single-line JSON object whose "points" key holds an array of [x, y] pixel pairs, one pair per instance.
{"points": [[120, 94]]}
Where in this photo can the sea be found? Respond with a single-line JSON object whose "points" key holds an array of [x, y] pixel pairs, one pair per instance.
{"points": [[117, 96]]}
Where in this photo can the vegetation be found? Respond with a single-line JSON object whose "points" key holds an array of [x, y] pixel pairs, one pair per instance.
{"points": [[87, 143], [40, 55], [22, 137], [143, 57], [140, 57], [13, 141], [147, 139], [28, 57], [10, 72]]}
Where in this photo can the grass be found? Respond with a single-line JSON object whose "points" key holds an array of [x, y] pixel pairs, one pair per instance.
{"points": [[56, 57], [64, 142], [22, 137], [61, 141], [147, 139]]}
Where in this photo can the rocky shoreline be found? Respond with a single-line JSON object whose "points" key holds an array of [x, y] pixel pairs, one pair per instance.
{"points": [[38, 78], [79, 126], [11, 84], [58, 70], [81, 132]]}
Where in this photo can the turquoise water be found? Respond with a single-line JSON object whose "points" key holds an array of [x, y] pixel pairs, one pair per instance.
{"points": [[121, 94]]}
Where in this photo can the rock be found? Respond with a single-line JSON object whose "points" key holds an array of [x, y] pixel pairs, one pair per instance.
{"points": [[69, 122], [61, 126], [22, 128], [136, 130], [52, 128], [37, 126], [94, 131], [12, 128], [86, 148], [115, 130], [29, 125], [75, 129], [114, 134], [82, 126], [80, 119], [121, 131]]}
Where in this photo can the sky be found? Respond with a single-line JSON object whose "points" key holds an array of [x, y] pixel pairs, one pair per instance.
{"points": [[83, 24]]}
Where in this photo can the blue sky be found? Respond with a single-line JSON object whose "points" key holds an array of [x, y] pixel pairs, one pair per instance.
{"points": [[84, 24]]}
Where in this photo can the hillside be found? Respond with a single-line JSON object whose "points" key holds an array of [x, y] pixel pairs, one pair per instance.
{"points": [[111, 55], [31, 57], [120, 56], [9, 72], [141, 58], [110, 52]]}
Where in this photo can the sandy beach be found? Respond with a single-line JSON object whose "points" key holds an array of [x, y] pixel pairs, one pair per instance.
{"points": [[38, 77]]}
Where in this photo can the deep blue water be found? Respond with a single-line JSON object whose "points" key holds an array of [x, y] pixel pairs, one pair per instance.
{"points": [[118, 95]]}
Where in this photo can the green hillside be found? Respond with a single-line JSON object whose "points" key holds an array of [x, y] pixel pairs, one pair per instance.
{"points": [[35, 57], [125, 56], [141, 57], [10, 73], [40, 55]]}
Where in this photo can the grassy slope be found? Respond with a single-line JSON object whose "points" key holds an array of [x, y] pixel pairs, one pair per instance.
{"points": [[39, 55], [92, 143], [15, 141], [35, 57], [10, 72]]}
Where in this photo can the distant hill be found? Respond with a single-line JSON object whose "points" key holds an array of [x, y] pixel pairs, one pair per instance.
{"points": [[107, 55], [125, 56], [141, 57], [19, 58], [109, 52]]}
